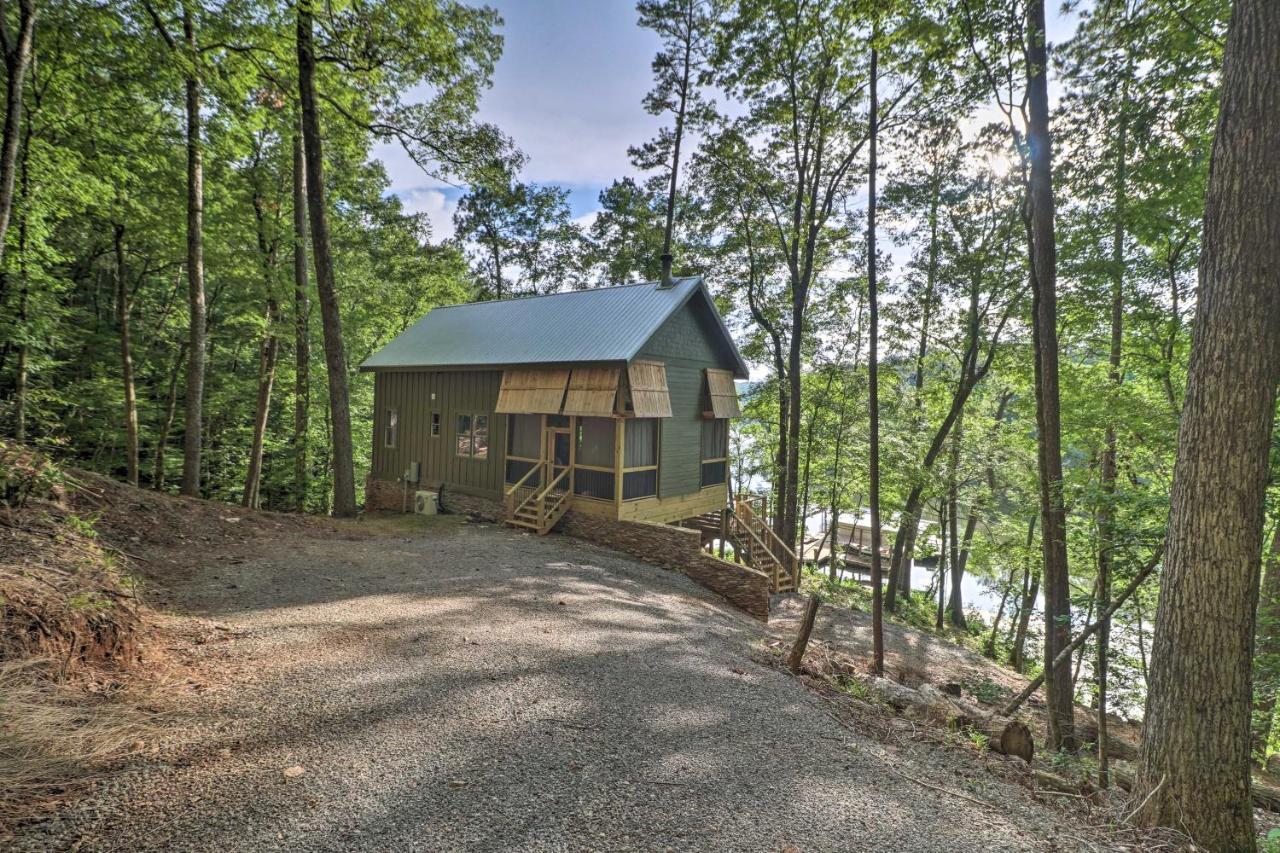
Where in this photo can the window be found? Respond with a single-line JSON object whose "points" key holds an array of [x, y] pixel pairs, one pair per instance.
{"points": [[392, 427], [641, 438], [435, 424], [715, 451], [480, 437], [473, 436]]}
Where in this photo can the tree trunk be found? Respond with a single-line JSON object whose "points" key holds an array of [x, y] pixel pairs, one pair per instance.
{"points": [[1053, 522], [942, 563], [1266, 686], [301, 327], [788, 508], [194, 417], [955, 603], [1194, 768], [833, 556], [170, 411], [123, 311], [268, 248], [990, 647], [1017, 654], [266, 378], [24, 295], [17, 57], [675, 147], [344, 481], [1106, 513], [873, 368]]}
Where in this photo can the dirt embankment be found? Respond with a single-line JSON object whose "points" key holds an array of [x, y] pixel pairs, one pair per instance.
{"points": [[91, 668]]}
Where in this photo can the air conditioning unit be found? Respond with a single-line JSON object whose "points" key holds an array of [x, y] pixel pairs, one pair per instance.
{"points": [[425, 503]]}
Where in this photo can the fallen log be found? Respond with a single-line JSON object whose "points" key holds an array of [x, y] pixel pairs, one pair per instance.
{"points": [[1053, 782], [1087, 732], [1005, 736], [929, 702], [1264, 795]]}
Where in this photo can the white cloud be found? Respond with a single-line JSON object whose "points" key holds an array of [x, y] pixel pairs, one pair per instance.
{"points": [[586, 220], [435, 204]]}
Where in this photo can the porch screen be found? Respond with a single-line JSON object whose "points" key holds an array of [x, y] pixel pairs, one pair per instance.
{"points": [[722, 394], [640, 458], [532, 390], [649, 397], [592, 391], [595, 442], [524, 436]]}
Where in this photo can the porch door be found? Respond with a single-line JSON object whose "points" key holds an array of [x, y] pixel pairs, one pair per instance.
{"points": [[557, 446]]}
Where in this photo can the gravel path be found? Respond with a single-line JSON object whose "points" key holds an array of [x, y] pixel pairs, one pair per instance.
{"points": [[467, 687]]}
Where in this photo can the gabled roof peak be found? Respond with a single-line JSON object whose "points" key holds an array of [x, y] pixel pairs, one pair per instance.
{"points": [[607, 324]]}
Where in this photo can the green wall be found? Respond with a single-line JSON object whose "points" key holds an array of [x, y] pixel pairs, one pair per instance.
{"points": [[688, 343], [456, 392]]}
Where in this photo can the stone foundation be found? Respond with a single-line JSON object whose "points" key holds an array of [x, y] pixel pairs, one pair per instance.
{"points": [[384, 495], [676, 548], [387, 495]]}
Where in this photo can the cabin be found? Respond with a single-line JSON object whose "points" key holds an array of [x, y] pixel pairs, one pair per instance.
{"points": [[613, 402]]}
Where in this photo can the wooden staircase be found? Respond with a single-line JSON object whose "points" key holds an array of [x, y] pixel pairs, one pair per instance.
{"points": [[754, 540], [534, 507]]}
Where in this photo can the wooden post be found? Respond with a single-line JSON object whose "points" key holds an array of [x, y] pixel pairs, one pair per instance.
{"points": [[802, 641], [724, 529], [619, 457]]}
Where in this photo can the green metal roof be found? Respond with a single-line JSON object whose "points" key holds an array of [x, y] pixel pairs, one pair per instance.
{"points": [[601, 325]]}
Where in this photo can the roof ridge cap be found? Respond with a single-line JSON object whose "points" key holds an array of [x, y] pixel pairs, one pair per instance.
{"points": [[653, 284]]}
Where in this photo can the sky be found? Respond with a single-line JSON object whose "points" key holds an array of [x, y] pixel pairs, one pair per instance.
{"points": [[568, 90]]}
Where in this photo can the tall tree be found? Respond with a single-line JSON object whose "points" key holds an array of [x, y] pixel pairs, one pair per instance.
{"points": [[301, 326], [873, 366], [344, 478], [1193, 771], [187, 54], [791, 66], [17, 55], [123, 311], [685, 29], [268, 234], [1044, 264]]}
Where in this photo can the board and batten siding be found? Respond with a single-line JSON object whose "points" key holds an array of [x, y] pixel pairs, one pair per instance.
{"points": [[688, 343], [456, 392]]}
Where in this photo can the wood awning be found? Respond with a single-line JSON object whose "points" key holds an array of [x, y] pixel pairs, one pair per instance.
{"points": [[592, 391], [649, 395], [722, 394], [532, 391]]}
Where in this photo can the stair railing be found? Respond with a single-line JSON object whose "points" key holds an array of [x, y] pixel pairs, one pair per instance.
{"points": [[781, 553], [519, 494]]}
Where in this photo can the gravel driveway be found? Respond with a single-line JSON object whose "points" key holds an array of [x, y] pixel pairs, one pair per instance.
{"points": [[466, 687]]}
